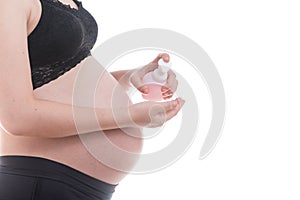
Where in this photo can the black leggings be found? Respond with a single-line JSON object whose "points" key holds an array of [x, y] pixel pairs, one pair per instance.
{"points": [[32, 178]]}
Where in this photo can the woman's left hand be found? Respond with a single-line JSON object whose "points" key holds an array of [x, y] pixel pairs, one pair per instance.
{"points": [[137, 75]]}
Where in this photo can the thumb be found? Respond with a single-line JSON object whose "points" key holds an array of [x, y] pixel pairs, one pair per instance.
{"points": [[143, 89], [163, 56], [138, 83], [137, 77]]}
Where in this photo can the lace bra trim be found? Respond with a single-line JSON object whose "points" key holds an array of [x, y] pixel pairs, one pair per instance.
{"points": [[45, 74], [68, 6]]}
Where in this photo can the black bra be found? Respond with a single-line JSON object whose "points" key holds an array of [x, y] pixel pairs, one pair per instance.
{"points": [[63, 37]]}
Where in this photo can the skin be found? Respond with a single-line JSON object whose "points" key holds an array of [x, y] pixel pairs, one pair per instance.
{"points": [[40, 122]]}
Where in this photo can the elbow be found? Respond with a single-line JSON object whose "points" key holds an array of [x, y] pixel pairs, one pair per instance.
{"points": [[17, 114], [16, 124], [13, 127], [10, 129]]}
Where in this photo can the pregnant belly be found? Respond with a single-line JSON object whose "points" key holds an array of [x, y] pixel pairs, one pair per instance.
{"points": [[107, 155]]}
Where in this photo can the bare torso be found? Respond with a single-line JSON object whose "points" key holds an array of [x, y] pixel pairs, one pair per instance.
{"points": [[70, 150]]}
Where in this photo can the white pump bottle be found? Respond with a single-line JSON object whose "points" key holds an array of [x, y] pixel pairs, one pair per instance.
{"points": [[155, 80]]}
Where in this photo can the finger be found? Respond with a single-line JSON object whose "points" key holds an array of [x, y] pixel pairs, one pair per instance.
{"points": [[170, 91], [163, 56], [171, 113], [172, 82], [170, 105], [168, 96], [167, 93], [167, 89], [171, 74]]}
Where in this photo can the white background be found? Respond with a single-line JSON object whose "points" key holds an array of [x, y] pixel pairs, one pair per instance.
{"points": [[255, 46]]}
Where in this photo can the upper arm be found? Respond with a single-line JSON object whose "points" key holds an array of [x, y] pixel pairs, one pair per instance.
{"points": [[15, 75]]}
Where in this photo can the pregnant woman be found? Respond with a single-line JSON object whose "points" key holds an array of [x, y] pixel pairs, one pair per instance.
{"points": [[44, 44]]}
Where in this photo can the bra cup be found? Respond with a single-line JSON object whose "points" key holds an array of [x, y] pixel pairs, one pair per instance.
{"points": [[62, 38], [58, 39]]}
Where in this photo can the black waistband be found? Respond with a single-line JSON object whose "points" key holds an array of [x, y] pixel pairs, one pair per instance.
{"points": [[45, 168]]}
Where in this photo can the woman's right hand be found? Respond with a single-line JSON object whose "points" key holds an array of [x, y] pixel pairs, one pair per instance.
{"points": [[154, 114]]}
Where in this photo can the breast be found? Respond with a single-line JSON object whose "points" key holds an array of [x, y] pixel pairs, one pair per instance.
{"points": [[58, 36], [61, 39]]}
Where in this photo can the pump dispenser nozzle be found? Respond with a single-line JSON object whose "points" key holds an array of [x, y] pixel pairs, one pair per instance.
{"points": [[162, 63], [161, 73]]}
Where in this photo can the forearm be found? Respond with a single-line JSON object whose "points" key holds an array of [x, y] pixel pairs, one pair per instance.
{"points": [[42, 118]]}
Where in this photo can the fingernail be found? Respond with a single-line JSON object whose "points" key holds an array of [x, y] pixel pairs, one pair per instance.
{"points": [[146, 90]]}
